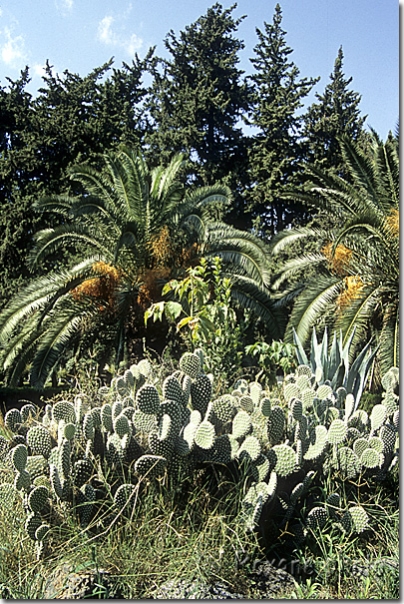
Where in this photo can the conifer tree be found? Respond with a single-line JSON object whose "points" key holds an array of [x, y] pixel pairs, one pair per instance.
{"points": [[276, 149], [335, 114], [198, 97]]}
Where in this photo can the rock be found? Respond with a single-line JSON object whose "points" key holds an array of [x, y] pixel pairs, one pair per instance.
{"points": [[65, 583]]}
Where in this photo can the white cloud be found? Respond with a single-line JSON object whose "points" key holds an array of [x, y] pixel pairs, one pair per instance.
{"points": [[13, 49], [39, 70], [105, 33], [64, 6], [134, 43], [108, 35]]}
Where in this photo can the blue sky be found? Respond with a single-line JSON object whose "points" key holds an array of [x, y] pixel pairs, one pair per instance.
{"points": [[80, 35]]}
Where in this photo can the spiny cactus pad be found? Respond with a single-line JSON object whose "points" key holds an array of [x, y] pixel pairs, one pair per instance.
{"points": [[125, 498], [348, 462], [250, 448], [150, 465], [377, 416], [317, 517], [276, 424], [370, 458], [285, 459], [39, 441], [241, 424], [19, 456], [148, 399], [337, 432], [190, 364], [205, 435], [64, 410], [13, 420], [224, 408], [201, 391], [27, 411], [316, 448], [355, 520], [37, 498]]}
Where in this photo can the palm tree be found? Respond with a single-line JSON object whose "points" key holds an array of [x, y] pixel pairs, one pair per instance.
{"points": [[348, 275], [115, 245]]}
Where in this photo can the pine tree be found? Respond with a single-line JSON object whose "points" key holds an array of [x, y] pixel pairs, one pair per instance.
{"points": [[198, 97], [335, 114], [276, 149]]}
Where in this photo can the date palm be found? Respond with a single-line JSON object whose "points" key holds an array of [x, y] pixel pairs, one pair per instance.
{"points": [[113, 247], [348, 273]]}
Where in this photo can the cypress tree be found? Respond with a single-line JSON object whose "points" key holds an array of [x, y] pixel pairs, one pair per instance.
{"points": [[335, 114], [198, 97], [276, 148]]}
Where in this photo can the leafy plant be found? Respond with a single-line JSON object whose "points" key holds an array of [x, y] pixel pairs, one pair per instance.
{"points": [[272, 358], [350, 281]]}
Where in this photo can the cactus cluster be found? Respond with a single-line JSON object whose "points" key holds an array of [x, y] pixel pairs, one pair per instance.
{"points": [[323, 431], [84, 455]]}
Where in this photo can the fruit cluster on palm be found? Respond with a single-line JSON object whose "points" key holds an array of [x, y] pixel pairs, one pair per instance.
{"points": [[112, 250], [350, 277]]}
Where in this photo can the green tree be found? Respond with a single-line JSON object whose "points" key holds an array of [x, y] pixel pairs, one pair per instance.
{"points": [[276, 149], [72, 119], [351, 280], [198, 97], [130, 231], [335, 114]]}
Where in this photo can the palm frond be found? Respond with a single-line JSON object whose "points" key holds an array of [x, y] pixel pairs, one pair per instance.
{"points": [[312, 304]]}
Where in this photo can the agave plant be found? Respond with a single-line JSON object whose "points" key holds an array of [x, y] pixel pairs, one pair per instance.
{"points": [[348, 274], [130, 231]]}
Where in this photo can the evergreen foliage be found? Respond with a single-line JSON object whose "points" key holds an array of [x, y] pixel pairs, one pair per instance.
{"points": [[276, 149], [336, 113], [198, 97]]}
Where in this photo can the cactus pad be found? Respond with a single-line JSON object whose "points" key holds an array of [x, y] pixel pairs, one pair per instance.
{"points": [[190, 364], [37, 498], [241, 424], [27, 411], [317, 518], [150, 465], [32, 524], [125, 499], [39, 441], [88, 426], [148, 399], [337, 432], [285, 459], [316, 448], [13, 420], [22, 480], [265, 406], [296, 408], [122, 426], [355, 520], [82, 471], [348, 463], [172, 390], [250, 449], [224, 407], [291, 390], [201, 391], [19, 456], [370, 458], [205, 435], [106, 417], [276, 424], [377, 416], [64, 410], [144, 422]]}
